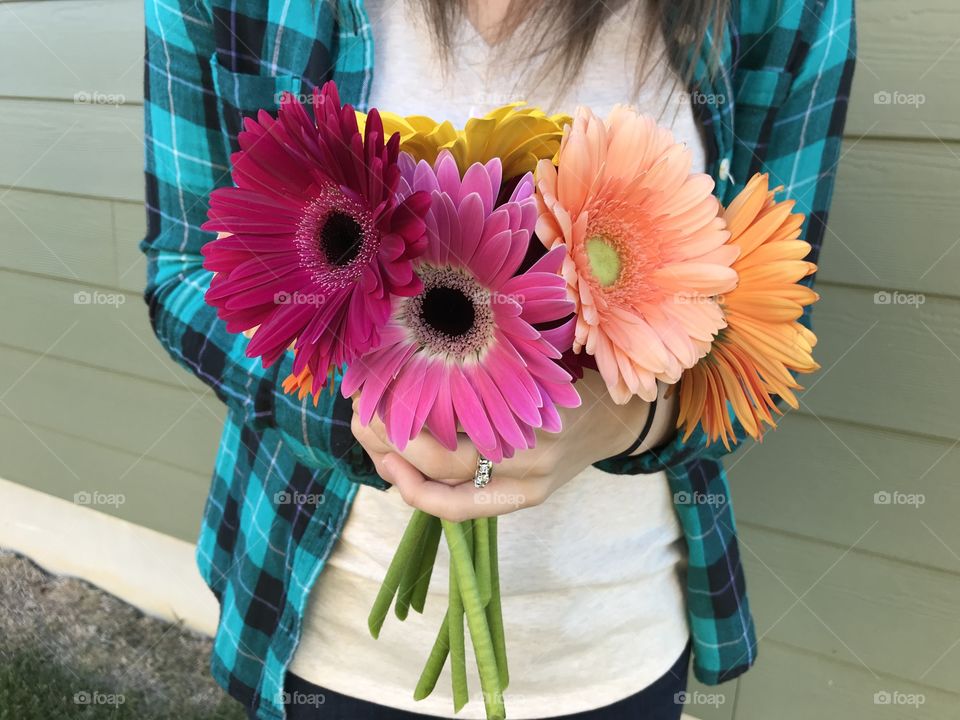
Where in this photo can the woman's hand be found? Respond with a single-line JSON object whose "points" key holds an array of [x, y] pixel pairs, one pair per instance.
{"points": [[440, 482]]}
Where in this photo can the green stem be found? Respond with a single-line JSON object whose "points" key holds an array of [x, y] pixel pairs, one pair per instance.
{"points": [[427, 560], [388, 589], [481, 557], [411, 574], [495, 610], [458, 652], [438, 656], [462, 564]]}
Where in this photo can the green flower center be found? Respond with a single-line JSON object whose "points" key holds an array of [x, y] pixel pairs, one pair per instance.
{"points": [[604, 260]]}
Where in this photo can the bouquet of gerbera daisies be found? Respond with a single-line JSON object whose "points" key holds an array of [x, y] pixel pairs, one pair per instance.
{"points": [[460, 279]]}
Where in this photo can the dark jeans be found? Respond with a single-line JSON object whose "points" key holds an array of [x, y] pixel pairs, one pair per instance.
{"points": [[659, 701]]}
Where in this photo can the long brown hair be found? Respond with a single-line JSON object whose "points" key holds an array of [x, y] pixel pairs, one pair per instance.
{"points": [[567, 29]]}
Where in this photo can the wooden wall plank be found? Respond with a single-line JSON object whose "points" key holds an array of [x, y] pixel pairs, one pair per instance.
{"points": [[85, 46], [820, 479], [114, 336], [157, 495], [129, 228], [91, 150], [132, 415], [89, 50], [893, 618], [890, 365], [788, 684], [895, 221], [908, 48], [56, 235]]}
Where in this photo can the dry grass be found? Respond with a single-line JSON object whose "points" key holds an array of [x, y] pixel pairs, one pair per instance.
{"points": [[69, 650]]}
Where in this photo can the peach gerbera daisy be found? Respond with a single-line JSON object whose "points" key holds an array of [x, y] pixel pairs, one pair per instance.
{"points": [[648, 251], [751, 359]]}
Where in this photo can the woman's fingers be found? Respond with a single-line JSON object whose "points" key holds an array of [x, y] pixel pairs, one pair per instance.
{"points": [[459, 502], [425, 453], [368, 437], [450, 467]]}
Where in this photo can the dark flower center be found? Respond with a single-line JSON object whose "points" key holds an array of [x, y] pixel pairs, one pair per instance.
{"points": [[340, 238], [448, 310], [453, 316]]}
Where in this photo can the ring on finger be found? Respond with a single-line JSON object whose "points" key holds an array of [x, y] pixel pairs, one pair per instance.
{"points": [[483, 473]]}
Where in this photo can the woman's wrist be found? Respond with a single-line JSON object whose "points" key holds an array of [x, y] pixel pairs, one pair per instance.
{"points": [[662, 425]]}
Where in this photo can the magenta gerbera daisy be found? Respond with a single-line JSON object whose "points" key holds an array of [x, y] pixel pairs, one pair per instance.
{"points": [[319, 238], [464, 352]]}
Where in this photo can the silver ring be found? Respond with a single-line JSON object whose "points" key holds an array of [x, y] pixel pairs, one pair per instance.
{"points": [[484, 471]]}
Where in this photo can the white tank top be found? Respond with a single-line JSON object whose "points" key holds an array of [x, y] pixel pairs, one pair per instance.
{"points": [[592, 580]]}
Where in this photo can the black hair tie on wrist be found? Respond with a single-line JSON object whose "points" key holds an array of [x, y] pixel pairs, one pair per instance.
{"points": [[644, 432]]}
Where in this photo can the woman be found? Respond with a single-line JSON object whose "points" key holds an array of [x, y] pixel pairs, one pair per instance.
{"points": [[625, 554]]}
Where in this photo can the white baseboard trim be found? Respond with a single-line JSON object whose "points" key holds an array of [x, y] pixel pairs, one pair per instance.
{"points": [[147, 569]]}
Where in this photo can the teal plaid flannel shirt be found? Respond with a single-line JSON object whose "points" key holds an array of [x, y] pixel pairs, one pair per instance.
{"points": [[287, 472]]}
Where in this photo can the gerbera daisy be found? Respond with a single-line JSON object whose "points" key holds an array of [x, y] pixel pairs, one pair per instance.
{"points": [[517, 134], [647, 251], [319, 239], [751, 359], [464, 351]]}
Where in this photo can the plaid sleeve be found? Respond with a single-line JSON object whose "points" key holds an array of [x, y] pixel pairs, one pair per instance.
{"points": [[792, 90], [187, 148]]}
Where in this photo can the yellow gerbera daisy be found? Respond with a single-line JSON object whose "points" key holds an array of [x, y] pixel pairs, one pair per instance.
{"points": [[519, 135]]}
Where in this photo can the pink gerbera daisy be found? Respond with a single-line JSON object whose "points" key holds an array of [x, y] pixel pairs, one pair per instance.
{"points": [[464, 351], [647, 252], [318, 239]]}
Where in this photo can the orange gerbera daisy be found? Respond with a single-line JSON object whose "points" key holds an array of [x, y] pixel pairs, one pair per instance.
{"points": [[647, 250], [751, 359], [302, 384]]}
